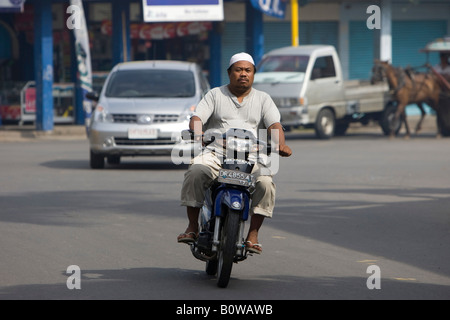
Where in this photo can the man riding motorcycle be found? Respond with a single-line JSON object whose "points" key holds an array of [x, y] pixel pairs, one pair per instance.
{"points": [[236, 105]]}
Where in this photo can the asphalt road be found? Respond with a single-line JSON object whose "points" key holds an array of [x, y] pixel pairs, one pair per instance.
{"points": [[343, 205]]}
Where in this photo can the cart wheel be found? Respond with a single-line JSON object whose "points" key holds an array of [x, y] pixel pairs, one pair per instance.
{"points": [[445, 131]]}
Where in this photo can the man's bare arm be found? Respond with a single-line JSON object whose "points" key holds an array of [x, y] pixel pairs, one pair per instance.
{"points": [[277, 134], [196, 125]]}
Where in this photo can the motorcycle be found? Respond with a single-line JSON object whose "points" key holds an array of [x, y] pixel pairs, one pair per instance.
{"points": [[227, 202]]}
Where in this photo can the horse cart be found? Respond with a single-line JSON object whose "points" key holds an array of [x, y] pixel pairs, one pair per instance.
{"points": [[406, 86], [442, 46]]}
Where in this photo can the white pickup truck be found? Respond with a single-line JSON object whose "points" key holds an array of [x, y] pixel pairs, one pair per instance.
{"points": [[307, 85]]}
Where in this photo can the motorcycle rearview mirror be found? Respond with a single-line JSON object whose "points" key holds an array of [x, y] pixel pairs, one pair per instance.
{"points": [[92, 95], [212, 135], [187, 134]]}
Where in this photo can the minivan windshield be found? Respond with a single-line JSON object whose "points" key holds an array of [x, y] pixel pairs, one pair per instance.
{"points": [[151, 83], [282, 68]]}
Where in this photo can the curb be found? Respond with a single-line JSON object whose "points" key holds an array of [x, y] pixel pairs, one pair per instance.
{"points": [[14, 133]]}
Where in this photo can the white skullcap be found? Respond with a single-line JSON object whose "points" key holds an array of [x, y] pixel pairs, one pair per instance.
{"points": [[241, 57]]}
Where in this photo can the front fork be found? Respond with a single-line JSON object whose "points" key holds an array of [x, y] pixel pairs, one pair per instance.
{"points": [[240, 252]]}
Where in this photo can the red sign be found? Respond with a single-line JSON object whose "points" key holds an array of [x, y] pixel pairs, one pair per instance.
{"points": [[106, 27], [30, 100], [134, 30], [10, 112], [169, 30]]}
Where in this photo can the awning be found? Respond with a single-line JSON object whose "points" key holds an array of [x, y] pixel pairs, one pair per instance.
{"points": [[11, 5], [438, 45]]}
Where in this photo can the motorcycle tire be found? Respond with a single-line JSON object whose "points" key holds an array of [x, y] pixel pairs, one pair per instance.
{"points": [[211, 267], [227, 250]]}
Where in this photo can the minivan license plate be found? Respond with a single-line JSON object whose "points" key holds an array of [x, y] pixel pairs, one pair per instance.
{"points": [[236, 177], [142, 133]]}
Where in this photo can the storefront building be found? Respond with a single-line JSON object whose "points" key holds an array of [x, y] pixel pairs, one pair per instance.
{"points": [[118, 32]]}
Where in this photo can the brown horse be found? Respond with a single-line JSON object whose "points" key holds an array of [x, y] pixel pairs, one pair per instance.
{"points": [[408, 88]]}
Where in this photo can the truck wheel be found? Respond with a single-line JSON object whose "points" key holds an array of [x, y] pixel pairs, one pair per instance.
{"points": [[387, 120], [341, 129], [97, 161], [325, 124]]}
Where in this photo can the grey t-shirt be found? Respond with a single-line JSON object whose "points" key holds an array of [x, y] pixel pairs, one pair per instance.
{"points": [[220, 109]]}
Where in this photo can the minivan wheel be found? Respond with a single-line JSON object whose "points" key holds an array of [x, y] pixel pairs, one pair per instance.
{"points": [[113, 159], [97, 160]]}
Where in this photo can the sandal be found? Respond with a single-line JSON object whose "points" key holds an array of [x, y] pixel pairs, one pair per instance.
{"points": [[253, 247], [187, 237]]}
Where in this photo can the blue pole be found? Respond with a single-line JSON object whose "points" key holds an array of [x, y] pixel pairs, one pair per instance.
{"points": [[215, 49], [254, 32], [43, 61], [121, 31]]}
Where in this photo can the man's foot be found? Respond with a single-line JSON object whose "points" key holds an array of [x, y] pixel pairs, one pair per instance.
{"points": [[253, 247], [187, 237]]}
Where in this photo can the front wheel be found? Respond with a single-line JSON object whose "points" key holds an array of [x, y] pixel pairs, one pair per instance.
{"points": [[97, 161], [113, 159], [227, 250], [325, 124], [387, 122]]}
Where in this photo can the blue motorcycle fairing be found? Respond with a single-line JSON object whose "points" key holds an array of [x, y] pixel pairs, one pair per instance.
{"points": [[236, 199]]}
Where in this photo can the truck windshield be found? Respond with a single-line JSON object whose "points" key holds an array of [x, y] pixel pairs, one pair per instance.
{"points": [[283, 64], [151, 83]]}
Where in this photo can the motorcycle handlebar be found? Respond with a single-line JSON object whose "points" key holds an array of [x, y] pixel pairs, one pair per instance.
{"points": [[209, 137]]}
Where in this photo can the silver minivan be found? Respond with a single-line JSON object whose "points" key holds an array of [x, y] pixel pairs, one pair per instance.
{"points": [[142, 109]]}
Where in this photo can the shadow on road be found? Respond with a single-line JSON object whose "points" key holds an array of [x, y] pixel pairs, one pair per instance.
{"points": [[359, 135], [124, 165], [407, 226], [183, 284]]}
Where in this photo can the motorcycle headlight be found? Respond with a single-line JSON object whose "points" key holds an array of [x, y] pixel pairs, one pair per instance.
{"points": [[187, 114], [241, 145]]}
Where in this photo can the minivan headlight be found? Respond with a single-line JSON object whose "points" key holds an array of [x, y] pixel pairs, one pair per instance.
{"points": [[102, 115], [187, 114]]}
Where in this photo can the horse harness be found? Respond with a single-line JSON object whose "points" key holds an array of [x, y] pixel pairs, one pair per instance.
{"points": [[402, 74]]}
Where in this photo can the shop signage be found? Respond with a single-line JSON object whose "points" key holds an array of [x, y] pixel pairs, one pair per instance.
{"points": [[274, 8], [11, 5], [182, 10], [159, 31]]}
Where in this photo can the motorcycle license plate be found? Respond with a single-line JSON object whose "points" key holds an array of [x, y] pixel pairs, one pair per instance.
{"points": [[236, 177]]}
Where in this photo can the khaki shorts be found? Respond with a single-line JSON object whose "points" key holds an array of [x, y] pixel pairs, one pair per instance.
{"points": [[204, 169]]}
